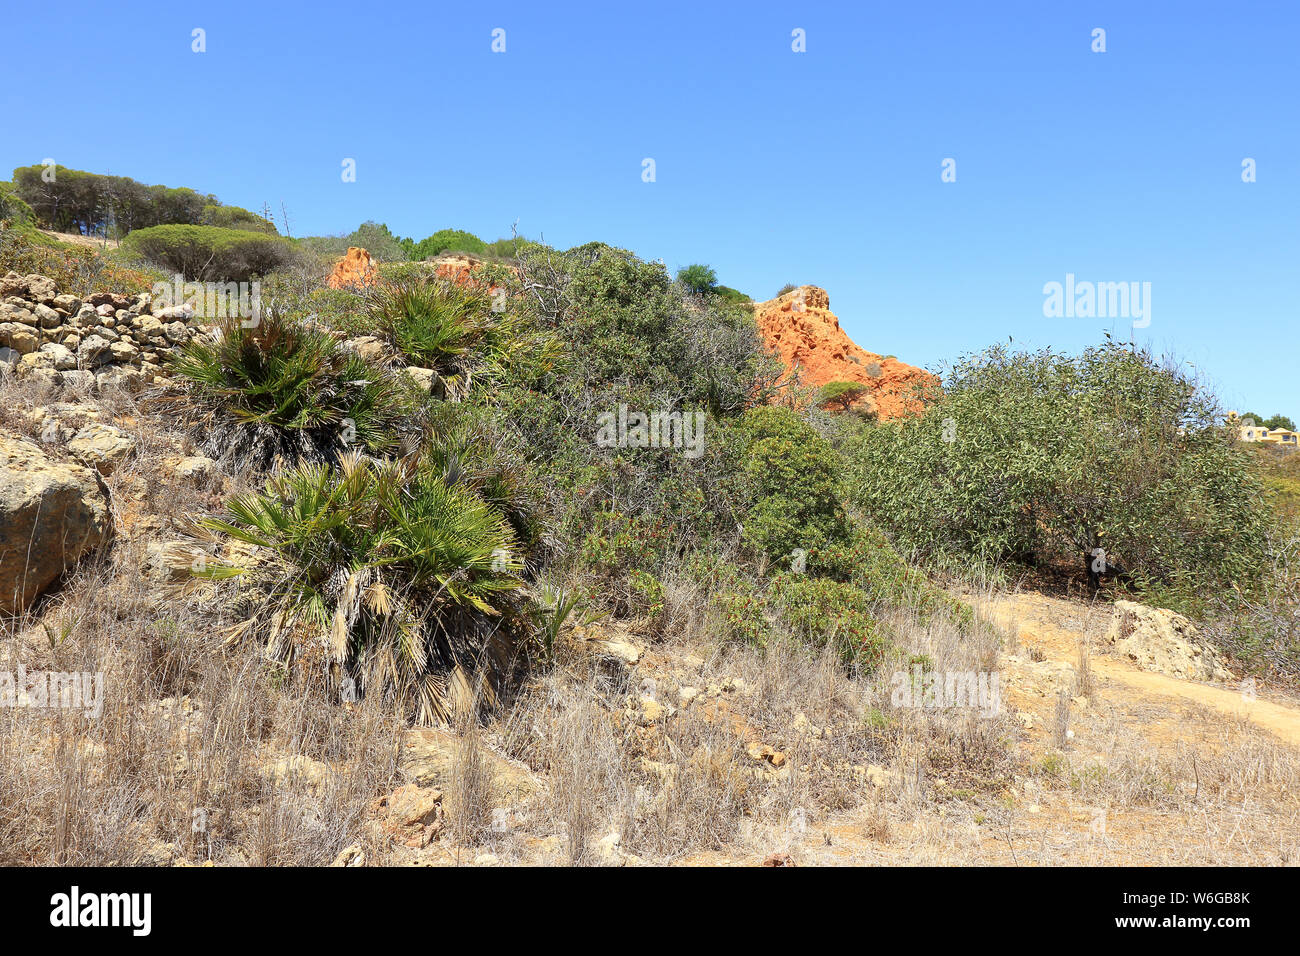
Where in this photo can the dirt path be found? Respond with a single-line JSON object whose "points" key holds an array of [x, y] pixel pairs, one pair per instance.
{"points": [[1055, 627], [76, 239]]}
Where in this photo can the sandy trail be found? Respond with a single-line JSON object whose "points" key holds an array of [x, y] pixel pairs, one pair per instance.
{"points": [[1055, 626]]}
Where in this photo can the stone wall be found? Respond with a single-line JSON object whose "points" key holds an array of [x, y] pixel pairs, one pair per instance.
{"points": [[105, 339]]}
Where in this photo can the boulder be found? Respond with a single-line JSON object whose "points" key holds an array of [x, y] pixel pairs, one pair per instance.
{"points": [[367, 347], [51, 514], [192, 468], [1164, 642], [421, 378], [67, 304], [103, 447]]}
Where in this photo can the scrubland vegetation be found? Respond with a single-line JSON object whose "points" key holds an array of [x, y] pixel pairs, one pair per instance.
{"points": [[423, 534]]}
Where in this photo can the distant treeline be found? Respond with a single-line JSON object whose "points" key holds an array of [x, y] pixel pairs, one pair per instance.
{"points": [[72, 200]]}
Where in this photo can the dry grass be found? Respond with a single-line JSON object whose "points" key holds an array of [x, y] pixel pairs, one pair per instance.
{"points": [[202, 751]]}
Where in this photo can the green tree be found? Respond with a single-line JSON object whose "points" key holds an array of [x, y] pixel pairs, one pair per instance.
{"points": [[842, 395], [698, 278]]}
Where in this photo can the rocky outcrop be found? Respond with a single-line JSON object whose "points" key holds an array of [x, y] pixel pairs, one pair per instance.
{"points": [[1164, 642], [51, 513], [107, 339], [800, 327], [354, 271]]}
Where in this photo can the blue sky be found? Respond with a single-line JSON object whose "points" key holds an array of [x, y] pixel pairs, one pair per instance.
{"points": [[773, 166]]}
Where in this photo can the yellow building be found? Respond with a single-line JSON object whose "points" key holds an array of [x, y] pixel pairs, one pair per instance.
{"points": [[1253, 432]]}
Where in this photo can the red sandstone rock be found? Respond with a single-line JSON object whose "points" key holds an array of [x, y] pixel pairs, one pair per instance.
{"points": [[354, 270], [802, 329]]}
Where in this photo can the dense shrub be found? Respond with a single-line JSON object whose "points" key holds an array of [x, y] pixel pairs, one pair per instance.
{"points": [[1041, 456], [824, 612], [233, 217], [452, 328], [282, 388], [789, 480], [511, 248], [74, 269], [209, 253], [842, 395], [14, 210], [731, 295], [628, 336], [444, 240], [403, 574]]}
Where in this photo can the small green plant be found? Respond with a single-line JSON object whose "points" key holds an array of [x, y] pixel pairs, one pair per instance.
{"points": [[791, 484]]}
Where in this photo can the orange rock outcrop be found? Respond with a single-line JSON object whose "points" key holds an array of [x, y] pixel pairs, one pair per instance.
{"points": [[355, 270], [802, 329]]}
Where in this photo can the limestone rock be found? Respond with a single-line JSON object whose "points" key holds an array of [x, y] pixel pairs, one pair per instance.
{"points": [[51, 513], [102, 446], [1162, 641]]}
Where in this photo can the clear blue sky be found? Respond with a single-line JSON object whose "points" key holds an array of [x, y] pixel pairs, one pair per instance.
{"points": [[772, 166]]}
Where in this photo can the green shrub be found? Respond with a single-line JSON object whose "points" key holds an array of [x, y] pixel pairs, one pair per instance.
{"points": [[451, 327], [842, 395], [282, 388], [233, 217], [823, 612], [14, 210], [739, 599], [1039, 457], [444, 240], [868, 560], [436, 324], [408, 580], [511, 248], [626, 334], [732, 295], [209, 253], [790, 480]]}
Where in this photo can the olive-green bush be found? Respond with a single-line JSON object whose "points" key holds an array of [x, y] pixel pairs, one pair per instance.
{"points": [[209, 253], [1043, 456]]}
